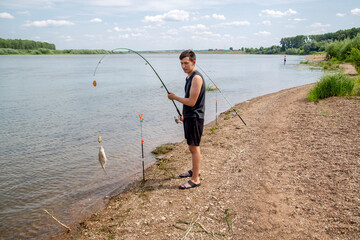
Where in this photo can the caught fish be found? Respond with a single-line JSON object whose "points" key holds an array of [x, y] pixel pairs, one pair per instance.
{"points": [[102, 157]]}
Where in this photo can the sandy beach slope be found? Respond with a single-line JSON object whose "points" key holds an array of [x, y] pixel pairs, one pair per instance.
{"points": [[292, 173]]}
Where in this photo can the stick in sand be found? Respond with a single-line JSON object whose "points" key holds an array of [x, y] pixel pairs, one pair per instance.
{"points": [[190, 227], [69, 229]]}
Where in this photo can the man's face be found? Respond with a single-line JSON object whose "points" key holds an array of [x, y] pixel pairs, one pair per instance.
{"points": [[187, 65]]}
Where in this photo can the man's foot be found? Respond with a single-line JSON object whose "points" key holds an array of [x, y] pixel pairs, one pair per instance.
{"points": [[189, 184], [187, 174]]}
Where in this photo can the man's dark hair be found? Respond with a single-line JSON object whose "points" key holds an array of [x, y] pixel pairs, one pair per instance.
{"points": [[188, 53]]}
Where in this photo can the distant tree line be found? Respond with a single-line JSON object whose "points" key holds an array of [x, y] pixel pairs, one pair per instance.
{"points": [[19, 46], [317, 42], [303, 44], [25, 44]]}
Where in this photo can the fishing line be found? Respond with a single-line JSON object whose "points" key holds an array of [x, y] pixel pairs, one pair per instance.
{"points": [[147, 62], [221, 94]]}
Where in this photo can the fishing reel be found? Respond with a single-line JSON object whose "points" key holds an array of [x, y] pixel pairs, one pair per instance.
{"points": [[177, 120]]}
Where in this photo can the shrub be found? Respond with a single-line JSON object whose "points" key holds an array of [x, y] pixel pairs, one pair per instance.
{"points": [[356, 90], [355, 58], [331, 85], [344, 49], [210, 88], [5, 51], [333, 50], [44, 50], [293, 51], [35, 52]]}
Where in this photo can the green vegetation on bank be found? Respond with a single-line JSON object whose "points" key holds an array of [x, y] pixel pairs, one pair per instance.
{"points": [[10, 51], [210, 88], [339, 52], [330, 65], [163, 149], [347, 50], [18, 44], [334, 85], [306, 44]]}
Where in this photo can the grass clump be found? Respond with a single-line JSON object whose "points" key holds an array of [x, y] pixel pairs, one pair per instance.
{"points": [[227, 117], [163, 149], [332, 85], [356, 90], [210, 88], [212, 130]]}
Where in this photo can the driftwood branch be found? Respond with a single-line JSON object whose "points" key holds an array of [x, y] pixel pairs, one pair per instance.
{"points": [[69, 229]]}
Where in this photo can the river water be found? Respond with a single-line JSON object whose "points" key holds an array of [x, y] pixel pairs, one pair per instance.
{"points": [[51, 117]]}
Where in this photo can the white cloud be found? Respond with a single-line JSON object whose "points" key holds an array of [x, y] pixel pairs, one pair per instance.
{"points": [[319, 25], [128, 33], [206, 17], [355, 11], [206, 36], [299, 19], [171, 16], [290, 26], [263, 33], [266, 23], [233, 24], [48, 23], [6, 15], [172, 32], [319, 28], [218, 17], [27, 13], [66, 38], [117, 29], [111, 3], [194, 27], [96, 20], [276, 14], [340, 14], [89, 35]]}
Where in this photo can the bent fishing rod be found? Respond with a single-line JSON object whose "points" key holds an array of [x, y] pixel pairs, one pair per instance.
{"points": [[222, 94], [115, 49]]}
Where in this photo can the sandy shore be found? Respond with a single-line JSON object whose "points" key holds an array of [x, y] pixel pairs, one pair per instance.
{"points": [[315, 57], [292, 173]]}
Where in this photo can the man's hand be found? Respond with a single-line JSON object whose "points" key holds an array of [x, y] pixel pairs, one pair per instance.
{"points": [[171, 96]]}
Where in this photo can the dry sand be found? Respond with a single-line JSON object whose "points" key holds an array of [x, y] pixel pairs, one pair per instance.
{"points": [[291, 173]]}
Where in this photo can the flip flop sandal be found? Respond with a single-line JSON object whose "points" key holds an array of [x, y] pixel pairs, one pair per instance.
{"points": [[189, 184], [187, 174]]}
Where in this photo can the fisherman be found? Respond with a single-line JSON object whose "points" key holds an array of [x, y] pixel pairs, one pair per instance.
{"points": [[192, 115]]}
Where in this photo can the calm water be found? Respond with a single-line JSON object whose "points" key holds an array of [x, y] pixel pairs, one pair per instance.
{"points": [[51, 116]]}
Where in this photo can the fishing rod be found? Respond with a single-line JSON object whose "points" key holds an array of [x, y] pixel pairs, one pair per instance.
{"points": [[94, 83], [222, 94]]}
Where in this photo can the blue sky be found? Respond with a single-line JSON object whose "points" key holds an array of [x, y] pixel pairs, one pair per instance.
{"points": [[171, 24]]}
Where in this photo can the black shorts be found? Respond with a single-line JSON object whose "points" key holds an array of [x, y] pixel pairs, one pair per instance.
{"points": [[193, 128]]}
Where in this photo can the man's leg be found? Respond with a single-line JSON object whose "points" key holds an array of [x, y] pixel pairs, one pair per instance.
{"points": [[196, 160]]}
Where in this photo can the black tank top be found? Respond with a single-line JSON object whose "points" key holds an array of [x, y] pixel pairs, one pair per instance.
{"points": [[198, 110]]}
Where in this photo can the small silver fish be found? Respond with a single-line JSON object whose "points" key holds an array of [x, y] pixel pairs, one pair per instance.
{"points": [[102, 157]]}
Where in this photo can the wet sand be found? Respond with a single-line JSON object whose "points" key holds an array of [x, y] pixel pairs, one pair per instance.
{"points": [[292, 173]]}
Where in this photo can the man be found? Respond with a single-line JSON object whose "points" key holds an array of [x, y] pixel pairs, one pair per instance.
{"points": [[192, 115]]}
